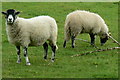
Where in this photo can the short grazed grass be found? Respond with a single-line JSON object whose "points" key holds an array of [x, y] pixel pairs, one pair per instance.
{"points": [[95, 65]]}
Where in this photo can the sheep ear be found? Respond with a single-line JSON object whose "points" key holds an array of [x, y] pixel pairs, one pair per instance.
{"points": [[16, 13], [4, 13]]}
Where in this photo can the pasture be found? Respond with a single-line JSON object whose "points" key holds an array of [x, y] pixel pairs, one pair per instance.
{"points": [[95, 65]]}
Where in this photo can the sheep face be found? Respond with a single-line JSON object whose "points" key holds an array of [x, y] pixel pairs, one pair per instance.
{"points": [[103, 39], [10, 15]]}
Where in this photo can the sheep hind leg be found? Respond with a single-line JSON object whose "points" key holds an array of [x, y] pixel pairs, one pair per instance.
{"points": [[18, 53], [92, 36], [45, 46], [53, 52], [26, 56], [67, 37], [64, 44]]}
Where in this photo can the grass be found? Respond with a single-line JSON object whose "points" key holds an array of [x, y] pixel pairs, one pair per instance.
{"points": [[96, 65]]}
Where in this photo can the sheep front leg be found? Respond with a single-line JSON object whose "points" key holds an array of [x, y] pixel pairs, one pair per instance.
{"points": [[92, 36], [53, 52], [26, 56], [18, 53], [45, 46]]}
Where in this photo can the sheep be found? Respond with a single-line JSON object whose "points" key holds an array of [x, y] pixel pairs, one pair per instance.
{"points": [[35, 31], [81, 21]]}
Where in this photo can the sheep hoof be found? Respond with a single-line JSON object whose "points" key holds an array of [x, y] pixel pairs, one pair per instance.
{"points": [[18, 61], [52, 60], [92, 44], [45, 57], [45, 60], [28, 64], [64, 46], [73, 46], [102, 44]]}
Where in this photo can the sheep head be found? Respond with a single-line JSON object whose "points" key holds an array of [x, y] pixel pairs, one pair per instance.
{"points": [[103, 39], [10, 15]]}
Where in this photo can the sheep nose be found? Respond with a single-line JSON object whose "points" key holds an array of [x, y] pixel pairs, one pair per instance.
{"points": [[10, 19]]}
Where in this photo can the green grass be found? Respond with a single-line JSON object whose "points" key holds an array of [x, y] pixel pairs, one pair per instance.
{"points": [[95, 65]]}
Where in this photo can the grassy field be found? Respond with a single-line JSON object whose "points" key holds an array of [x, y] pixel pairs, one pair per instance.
{"points": [[95, 65]]}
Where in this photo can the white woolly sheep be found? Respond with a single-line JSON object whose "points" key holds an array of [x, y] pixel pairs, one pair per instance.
{"points": [[84, 22], [31, 32]]}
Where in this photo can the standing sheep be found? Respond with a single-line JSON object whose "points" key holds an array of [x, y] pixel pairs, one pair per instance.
{"points": [[84, 22], [31, 32]]}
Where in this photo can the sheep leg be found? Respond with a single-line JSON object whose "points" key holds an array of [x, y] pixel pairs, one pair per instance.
{"points": [[92, 36], [53, 52], [67, 37], [45, 45], [18, 53], [64, 45], [26, 56], [73, 41]]}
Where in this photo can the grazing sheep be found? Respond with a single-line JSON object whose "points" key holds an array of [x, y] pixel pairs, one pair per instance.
{"points": [[31, 32], [84, 22]]}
